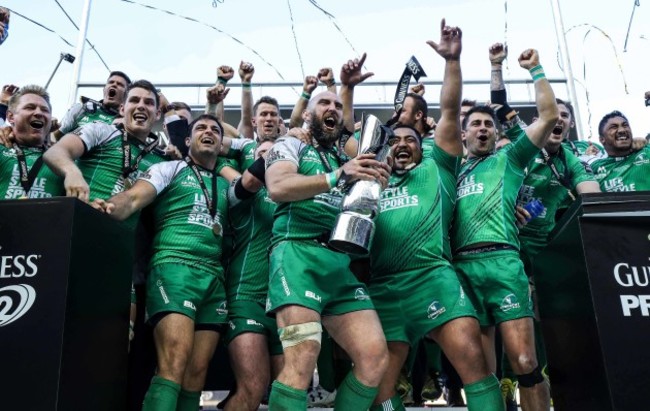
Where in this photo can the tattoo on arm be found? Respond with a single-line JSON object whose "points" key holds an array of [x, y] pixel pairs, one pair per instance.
{"points": [[496, 79]]}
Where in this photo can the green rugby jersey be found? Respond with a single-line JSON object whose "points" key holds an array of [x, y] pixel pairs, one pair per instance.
{"points": [[242, 153], [79, 115], [628, 173], [542, 184], [45, 185], [412, 229], [182, 221], [101, 164], [487, 195], [248, 269], [310, 218]]}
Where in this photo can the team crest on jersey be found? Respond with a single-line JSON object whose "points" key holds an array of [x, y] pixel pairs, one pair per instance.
{"points": [[435, 309], [641, 159]]}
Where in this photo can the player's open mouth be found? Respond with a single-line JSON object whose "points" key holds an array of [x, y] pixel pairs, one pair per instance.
{"points": [[207, 140], [37, 124], [483, 138], [330, 122], [140, 117], [622, 137], [557, 130], [112, 92]]}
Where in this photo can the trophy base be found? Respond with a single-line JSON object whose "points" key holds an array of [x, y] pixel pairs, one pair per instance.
{"points": [[352, 233]]}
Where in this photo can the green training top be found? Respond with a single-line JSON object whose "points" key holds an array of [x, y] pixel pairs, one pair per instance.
{"points": [[412, 229], [45, 185], [182, 221], [487, 194]]}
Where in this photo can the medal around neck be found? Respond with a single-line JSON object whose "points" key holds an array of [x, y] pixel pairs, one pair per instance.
{"points": [[354, 228], [217, 229]]}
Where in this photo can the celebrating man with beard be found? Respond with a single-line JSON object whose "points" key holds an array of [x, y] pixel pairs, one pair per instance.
{"points": [[309, 283]]}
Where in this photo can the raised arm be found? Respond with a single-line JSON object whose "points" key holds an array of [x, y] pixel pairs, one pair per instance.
{"points": [[246, 71], [448, 132], [540, 131], [61, 159], [326, 76], [350, 77], [308, 87]]}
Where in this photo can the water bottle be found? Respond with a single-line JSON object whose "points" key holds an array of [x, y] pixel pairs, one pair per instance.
{"points": [[534, 208]]}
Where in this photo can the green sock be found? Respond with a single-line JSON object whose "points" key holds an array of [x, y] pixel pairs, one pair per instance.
{"points": [[161, 395], [484, 395], [352, 395], [392, 404], [188, 400], [433, 356], [285, 398], [325, 363]]}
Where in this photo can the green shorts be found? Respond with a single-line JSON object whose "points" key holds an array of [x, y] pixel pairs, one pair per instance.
{"points": [[412, 303], [496, 284], [250, 317], [182, 289], [307, 274]]}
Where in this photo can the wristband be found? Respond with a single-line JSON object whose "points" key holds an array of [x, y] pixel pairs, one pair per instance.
{"points": [[331, 179], [258, 169], [246, 86], [222, 80], [305, 95], [537, 73], [330, 84]]}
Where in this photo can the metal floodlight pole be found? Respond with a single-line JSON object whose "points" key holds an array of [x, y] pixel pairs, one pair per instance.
{"points": [[566, 62], [81, 42]]}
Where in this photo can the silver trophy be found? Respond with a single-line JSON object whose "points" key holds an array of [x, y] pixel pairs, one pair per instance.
{"points": [[353, 229]]}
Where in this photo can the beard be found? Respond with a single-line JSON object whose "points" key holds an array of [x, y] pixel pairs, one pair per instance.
{"points": [[324, 138]]}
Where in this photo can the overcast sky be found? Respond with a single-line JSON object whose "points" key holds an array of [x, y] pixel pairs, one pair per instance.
{"points": [[163, 48]]}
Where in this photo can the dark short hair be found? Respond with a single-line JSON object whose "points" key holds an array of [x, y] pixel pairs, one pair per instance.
{"points": [[480, 108], [179, 105], [206, 117], [468, 102], [144, 84], [606, 117], [400, 125], [420, 103], [268, 100], [121, 74]]}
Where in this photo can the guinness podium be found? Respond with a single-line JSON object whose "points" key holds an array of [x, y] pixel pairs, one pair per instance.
{"points": [[65, 280], [594, 302]]}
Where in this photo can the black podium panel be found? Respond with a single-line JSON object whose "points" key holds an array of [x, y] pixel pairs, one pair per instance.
{"points": [[65, 278], [593, 285]]}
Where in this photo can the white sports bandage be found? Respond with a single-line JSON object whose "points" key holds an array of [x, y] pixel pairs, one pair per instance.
{"points": [[299, 333]]}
